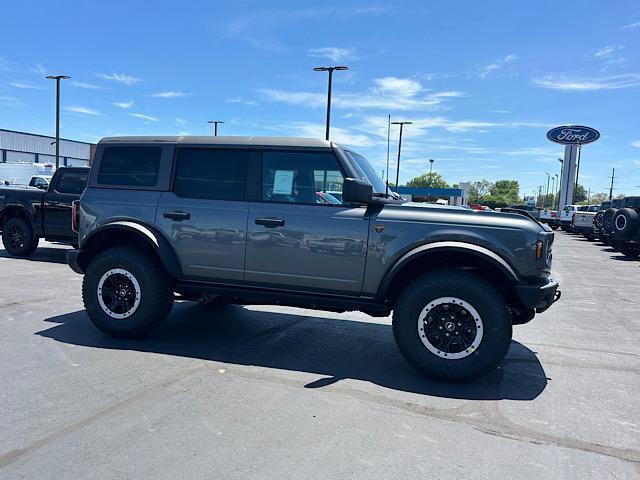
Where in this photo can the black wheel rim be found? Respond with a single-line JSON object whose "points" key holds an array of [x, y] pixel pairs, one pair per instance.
{"points": [[16, 237], [450, 328], [118, 293]]}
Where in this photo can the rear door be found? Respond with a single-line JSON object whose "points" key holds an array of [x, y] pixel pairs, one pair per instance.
{"points": [[65, 188], [296, 239], [204, 215]]}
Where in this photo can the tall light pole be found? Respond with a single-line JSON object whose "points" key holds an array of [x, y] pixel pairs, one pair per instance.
{"points": [[559, 186], [431, 160], [330, 70], [402, 124], [215, 126], [57, 78], [547, 194], [554, 179]]}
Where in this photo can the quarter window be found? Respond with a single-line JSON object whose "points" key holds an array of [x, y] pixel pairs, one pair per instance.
{"points": [[296, 177], [214, 174], [72, 183], [131, 166]]}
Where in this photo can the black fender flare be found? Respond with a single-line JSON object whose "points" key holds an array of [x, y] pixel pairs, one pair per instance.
{"points": [[448, 246], [155, 239], [24, 211]]}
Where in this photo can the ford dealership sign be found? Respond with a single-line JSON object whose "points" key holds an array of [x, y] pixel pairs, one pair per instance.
{"points": [[573, 135]]}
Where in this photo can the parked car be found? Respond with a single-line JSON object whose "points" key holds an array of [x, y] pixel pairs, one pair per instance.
{"points": [[627, 227], [533, 211], [40, 181], [567, 214], [550, 217], [28, 214], [584, 222], [456, 281], [598, 225]]}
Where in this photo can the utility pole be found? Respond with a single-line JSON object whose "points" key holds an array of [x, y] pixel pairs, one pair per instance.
{"points": [[613, 174], [57, 78], [215, 126], [547, 194], [386, 188], [402, 124], [556, 195], [330, 70]]}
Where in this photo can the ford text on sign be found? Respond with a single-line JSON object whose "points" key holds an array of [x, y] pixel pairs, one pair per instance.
{"points": [[573, 135]]}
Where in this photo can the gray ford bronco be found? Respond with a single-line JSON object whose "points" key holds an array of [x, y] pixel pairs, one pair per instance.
{"points": [[306, 223]]}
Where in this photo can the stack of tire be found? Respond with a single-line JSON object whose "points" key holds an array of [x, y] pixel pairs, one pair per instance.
{"points": [[626, 223], [598, 224]]}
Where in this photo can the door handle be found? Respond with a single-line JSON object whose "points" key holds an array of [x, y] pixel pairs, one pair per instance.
{"points": [[270, 222], [177, 216]]}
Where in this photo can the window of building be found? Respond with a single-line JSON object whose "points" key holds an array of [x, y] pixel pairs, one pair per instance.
{"points": [[132, 166], [214, 174]]}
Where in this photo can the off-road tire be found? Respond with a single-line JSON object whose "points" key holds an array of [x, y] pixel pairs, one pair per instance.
{"points": [[477, 292], [19, 248], [628, 249], [155, 299]]}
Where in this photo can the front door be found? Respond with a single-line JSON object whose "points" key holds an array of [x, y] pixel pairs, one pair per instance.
{"points": [[300, 236], [205, 215]]}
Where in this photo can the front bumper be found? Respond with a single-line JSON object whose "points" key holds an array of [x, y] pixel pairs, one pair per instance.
{"points": [[539, 296], [72, 260]]}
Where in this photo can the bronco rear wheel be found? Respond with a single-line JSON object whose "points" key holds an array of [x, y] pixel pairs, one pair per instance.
{"points": [[126, 292], [452, 326]]}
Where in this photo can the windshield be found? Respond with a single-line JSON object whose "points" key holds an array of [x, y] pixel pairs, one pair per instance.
{"points": [[366, 171]]}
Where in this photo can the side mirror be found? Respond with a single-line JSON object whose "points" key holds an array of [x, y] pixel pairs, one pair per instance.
{"points": [[355, 190]]}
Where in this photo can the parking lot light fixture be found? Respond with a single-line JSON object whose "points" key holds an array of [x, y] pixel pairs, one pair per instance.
{"points": [[402, 124], [215, 126], [330, 70], [57, 78]]}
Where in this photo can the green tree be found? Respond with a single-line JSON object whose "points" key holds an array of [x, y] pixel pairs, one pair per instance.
{"points": [[507, 191], [580, 194], [479, 190], [425, 181], [598, 198]]}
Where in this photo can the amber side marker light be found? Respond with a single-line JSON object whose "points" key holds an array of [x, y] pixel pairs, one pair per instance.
{"points": [[539, 249]]}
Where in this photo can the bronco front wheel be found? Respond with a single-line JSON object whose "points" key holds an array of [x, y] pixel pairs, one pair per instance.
{"points": [[452, 326]]}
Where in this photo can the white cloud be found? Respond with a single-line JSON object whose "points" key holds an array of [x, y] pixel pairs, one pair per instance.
{"points": [[180, 121], [608, 50], [498, 64], [388, 93], [339, 135], [128, 104], [241, 101], [588, 84], [82, 110], [636, 143], [122, 78], [170, 94], [335, 54], [142, 116], [12, 102], [39, 69], [29, 86], [500, 111], [631, 25], [88, 86]]}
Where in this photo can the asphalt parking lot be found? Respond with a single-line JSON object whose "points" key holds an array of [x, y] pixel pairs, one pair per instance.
{"points": [[272, 392]]}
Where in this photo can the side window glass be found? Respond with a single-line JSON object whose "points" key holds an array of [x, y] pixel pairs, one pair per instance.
{"points": [[214, 174], [72, 183], [296, 177], [131, 166]]}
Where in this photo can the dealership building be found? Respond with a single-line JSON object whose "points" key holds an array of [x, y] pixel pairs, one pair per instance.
{"points": [[22, 147]]}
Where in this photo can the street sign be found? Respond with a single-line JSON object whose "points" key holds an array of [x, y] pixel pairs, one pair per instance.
{"points": [[573, 135]]}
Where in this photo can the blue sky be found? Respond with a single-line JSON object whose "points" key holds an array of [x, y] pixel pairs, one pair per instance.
{"points": [[482, 85]]}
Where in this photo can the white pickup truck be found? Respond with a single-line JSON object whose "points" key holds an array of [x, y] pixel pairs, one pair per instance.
{"points": [[567, 214], [583, 222], [550, 217]]}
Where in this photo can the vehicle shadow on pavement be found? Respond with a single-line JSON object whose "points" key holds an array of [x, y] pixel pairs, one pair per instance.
{"points": [[334, 348], [42, 254]]}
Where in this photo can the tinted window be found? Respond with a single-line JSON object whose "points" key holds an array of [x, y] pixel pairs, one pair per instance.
{"points": [[133, 166], [72, 182], [211, 173], [293, 177]]}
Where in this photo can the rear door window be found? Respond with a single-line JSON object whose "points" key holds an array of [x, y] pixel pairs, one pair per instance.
{"points": [[72, 183], [130, 166], [214, 174]]}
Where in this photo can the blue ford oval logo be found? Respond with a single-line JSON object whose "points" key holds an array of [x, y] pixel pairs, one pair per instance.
{"points": [[573, 135]]}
